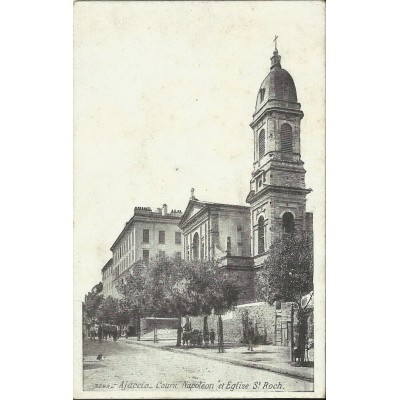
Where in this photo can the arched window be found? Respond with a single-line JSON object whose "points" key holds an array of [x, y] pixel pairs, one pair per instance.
{"points": [[196, 246], [261, 235], [286, 138], [261, 144], [288, 223]]}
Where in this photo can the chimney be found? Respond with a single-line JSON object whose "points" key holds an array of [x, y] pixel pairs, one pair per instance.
{"points": [[164, 210]]}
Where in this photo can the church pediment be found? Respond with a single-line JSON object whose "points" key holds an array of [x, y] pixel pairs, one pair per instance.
{"points": [[193, 208]]}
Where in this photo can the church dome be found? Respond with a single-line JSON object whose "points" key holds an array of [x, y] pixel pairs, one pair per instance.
{"points": [[278, 85]]}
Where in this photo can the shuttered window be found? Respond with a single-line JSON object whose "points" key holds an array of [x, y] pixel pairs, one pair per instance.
{"points": [[286, 138], [261, 144]]}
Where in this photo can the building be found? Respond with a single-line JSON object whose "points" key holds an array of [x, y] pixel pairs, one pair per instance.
{"points": [[106, 278], [213, 231], [219, 232], [148, 234], [278, 192], [238, 237]]}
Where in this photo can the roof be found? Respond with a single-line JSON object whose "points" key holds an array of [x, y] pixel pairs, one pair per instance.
{"points": [[146, 212], [205, 205], [108, 265], [278, 85]]}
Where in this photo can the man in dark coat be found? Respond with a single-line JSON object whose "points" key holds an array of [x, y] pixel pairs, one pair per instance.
{"points": [[251, 336], [100, 332], [212, 337]]}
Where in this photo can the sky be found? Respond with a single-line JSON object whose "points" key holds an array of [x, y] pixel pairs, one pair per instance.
{"points": [[164, 93]]}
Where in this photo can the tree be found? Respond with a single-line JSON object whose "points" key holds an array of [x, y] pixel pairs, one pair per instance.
{"points": [[200, 287], [287, 275], [169, 287], [136, 296], [222, 295], [113, 311], [92, 303], [170, 284]]}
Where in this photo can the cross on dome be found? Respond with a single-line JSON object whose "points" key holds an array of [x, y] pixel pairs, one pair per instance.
{"points": [[276, 42]]}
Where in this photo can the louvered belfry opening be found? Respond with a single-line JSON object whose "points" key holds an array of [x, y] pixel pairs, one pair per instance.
{"points": [[261, 144], [286, 138]]}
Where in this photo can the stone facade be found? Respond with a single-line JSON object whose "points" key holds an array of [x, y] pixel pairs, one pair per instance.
{"points": [[277, 200], [220, 233], [278, 192], [148, 234], [213, 230], [106, 278]]}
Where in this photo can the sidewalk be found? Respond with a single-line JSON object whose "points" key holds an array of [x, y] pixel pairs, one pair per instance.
{"points": [[270, 358]]}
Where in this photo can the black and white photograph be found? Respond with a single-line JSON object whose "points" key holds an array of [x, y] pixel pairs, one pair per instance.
{"points": [[199, 199]]}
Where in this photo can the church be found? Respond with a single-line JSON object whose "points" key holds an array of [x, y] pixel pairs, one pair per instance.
{"points": [[238, 237]]}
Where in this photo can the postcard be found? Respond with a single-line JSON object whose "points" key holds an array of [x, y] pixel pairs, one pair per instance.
{"points": [[199, 199]]}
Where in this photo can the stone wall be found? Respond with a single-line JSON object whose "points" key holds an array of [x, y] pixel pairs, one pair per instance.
{"points": [[262, 315]]}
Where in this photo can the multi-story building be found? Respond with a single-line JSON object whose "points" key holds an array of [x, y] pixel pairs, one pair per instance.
{"points": [[147, 235], [278, 192], [106, 278]]}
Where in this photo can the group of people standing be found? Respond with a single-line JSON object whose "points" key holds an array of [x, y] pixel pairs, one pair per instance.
{"points": [[103, 331], [196, 337]]}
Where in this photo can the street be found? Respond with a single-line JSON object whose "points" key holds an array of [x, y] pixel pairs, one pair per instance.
{"points": [[130, 366]]}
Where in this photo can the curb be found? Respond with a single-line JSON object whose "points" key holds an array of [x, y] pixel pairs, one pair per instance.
{"points": [[304, 375]]}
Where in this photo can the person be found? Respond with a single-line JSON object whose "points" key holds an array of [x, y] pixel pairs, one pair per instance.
{"points": [[212, 337], [251, 336], [125, 332], [100, 332], [92, 332], [105, 331], [114, 333]]}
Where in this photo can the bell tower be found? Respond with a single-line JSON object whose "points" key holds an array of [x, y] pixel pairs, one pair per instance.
{"points": [[277, 194]]}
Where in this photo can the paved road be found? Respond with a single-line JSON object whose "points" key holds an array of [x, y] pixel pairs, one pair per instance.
{"points": [[129, 366]]}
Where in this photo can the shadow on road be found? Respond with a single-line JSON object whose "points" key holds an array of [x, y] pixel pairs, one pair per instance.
{"points": [[93, 365]]}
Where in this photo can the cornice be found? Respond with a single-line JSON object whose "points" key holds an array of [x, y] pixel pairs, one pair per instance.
{"points": [[159, 219], [276, 189], [267, 110]]}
